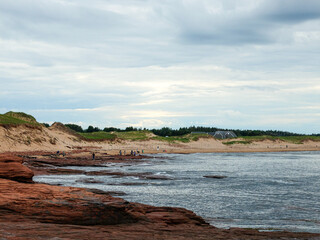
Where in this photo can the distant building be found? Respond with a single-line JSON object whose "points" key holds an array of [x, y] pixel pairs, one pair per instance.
{"points": [[224, 134], [219, 134]]}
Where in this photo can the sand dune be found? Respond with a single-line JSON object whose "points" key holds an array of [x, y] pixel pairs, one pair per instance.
{"points": [[37, 138]]}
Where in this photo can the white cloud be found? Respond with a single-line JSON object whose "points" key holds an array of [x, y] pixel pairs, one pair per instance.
{"points": [[150, 123], [162, 62]]}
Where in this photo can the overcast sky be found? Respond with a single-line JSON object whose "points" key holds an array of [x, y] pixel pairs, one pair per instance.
{"points": [[244, 64]]}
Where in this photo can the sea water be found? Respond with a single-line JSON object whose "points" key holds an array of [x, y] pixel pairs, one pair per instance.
{"points": [[267, 191]]}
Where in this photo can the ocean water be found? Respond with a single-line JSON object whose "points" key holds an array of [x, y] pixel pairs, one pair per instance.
{"points": [[267, 191]]}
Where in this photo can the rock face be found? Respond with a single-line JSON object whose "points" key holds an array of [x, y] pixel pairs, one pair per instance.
{"points": [[11, 168], [40, 211], [66, 205]]}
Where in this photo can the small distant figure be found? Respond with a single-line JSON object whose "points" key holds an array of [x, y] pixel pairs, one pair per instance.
{"points": [[63, 154], [93, 156], [142, 151], [131, 153], [120, 152], [58, 152], [138, 153], [158, 148], [134, 153]]}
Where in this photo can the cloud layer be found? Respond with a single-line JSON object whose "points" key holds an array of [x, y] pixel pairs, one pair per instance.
{"points": [[233, 64]]}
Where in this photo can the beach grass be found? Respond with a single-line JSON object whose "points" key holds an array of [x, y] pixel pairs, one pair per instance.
{"points": [[133, 135], [237, 142], [184, 138], [147, 135], [172, 139], [99, 136], [12, 118], [197, 136], [141, 136], [289, 139]]}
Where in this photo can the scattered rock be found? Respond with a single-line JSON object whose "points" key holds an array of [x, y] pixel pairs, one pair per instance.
{"points": [[128, 184], [157, 177], [215, 176], [88, 180], [112, 193]]}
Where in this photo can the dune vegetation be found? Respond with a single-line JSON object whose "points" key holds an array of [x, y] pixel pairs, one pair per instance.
{"points": [[182, 135], [17, 118], [142, 135], [289, 139]]}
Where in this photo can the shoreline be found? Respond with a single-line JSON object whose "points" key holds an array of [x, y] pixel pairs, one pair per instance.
{"points": [[58, 138], [33, 210]]}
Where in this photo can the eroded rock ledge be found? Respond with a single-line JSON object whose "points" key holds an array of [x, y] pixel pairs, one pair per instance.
{"points": [[39, 211]]}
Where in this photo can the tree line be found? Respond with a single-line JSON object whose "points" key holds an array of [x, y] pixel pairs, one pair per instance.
{"points": [[91, 129], [166, 131]]}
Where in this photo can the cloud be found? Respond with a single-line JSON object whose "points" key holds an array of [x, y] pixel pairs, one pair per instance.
{"points": [[290, 11], [180, 62], [151, 123], [248, 22]]}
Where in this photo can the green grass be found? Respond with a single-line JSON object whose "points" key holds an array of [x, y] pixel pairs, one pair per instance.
{"points": [[197, 136], [133, 136], [172, 139], [99, 136], [140, 136], [289, 139], [12, 118], [237, 142], [185, 138], [22, 116]]}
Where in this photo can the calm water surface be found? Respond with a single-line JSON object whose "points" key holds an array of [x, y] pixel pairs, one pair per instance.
{"points": [[268, 191]]}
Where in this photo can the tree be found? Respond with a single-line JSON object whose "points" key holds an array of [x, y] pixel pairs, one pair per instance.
{"points": [[74, 127], [90, 129]]}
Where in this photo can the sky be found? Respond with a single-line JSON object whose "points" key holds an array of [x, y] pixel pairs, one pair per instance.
{"points": [[240, 64]]}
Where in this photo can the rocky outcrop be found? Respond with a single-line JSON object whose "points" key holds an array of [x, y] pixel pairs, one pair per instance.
{"points": [[11, 168], [67, 205], [40, 211]]}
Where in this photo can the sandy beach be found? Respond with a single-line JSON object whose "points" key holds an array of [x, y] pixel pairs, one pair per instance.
{"points": [[23, 138]]}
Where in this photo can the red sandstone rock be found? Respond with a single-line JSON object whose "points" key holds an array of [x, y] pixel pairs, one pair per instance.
{"points": [[69, 205], [11, 168], [39, 211]]}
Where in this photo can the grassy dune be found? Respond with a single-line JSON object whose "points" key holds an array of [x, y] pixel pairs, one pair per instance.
{"points": [[147, 135], [289, 139], [185, 138], [140, 136], [99, 136], [17, 118]]}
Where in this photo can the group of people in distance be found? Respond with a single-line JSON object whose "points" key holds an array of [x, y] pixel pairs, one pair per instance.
{"points": [[132, 153]]}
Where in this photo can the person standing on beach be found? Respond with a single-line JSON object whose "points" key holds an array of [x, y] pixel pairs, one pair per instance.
{"points": [[93, 156]]}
